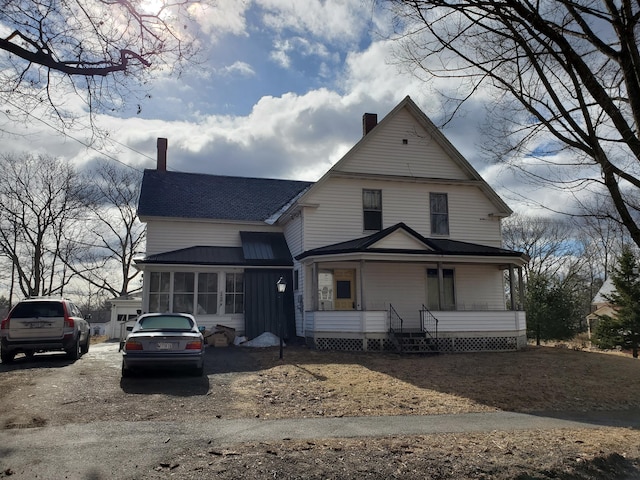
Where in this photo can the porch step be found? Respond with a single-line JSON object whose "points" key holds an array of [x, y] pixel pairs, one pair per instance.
{"points": [[415, 342]]}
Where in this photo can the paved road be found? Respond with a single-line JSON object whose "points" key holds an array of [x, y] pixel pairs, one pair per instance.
{"points": [[95, 451]]}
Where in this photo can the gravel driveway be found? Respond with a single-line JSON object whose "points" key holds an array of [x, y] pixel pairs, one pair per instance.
{"points": [[63, 419]]}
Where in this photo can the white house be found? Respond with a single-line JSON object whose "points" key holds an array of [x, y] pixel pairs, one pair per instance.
{"points": [[398, 245]]}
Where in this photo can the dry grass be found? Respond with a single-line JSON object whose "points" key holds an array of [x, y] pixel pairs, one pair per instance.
{"points": [[311, 383]]}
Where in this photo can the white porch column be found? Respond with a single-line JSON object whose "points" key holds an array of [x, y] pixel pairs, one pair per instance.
{"points": [[314, 286], [512, 288], [363, 302]]}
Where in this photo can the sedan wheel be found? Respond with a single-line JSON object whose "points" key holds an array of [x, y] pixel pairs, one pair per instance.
{"points": [[126, 372]]}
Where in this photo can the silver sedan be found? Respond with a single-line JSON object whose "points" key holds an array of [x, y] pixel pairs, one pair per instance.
{"points": [[164, 340]]}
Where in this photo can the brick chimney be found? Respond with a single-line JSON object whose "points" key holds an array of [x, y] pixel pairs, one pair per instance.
{"points": [[162, 154], [369, 120]]}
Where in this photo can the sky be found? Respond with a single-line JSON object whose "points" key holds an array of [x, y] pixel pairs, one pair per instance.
{"points": [[279, 93]]}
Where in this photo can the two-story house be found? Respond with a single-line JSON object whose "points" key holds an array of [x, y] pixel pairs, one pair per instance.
{"points": [[401, 237]]}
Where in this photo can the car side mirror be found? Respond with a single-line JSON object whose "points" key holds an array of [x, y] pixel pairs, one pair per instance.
{"points": [[201, 329], [129, 328]]}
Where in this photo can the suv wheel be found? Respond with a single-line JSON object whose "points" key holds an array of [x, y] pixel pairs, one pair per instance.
{"points": [[74, 352], [7, 357], [85, 347]]}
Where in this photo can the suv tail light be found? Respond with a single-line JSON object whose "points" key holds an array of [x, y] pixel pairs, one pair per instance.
{"points": [[4, 325], [68, 321]]}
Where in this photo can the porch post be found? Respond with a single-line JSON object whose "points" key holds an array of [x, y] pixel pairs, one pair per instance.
{"points": [[362, 299], [521, 288], [440, 286], [314, 286], [511, 287]]}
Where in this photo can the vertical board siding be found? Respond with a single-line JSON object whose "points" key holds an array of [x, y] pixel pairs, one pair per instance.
{"points": [[165, 236]]}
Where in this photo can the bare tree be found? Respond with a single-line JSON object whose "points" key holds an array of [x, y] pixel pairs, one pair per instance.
{"points": [[116, 235], [41, 206], [92, 48], [548, 243], [565, 75]]}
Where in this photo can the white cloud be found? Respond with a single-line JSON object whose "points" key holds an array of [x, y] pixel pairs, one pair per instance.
{"points": [[334, 21], [224, 17], [242, 69]]}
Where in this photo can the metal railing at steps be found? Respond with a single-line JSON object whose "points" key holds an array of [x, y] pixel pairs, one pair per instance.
{"points": [[395, 320], [429, 323]]}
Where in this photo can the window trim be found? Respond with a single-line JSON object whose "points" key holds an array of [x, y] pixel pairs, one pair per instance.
{"points": [[437, 214], [370, 211]]}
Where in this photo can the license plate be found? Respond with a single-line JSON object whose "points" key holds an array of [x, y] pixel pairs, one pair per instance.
{"points": [[165, 346], [36, 325]]}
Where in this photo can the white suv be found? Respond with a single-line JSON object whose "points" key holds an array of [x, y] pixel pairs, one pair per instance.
{"points": [[41, 325]]}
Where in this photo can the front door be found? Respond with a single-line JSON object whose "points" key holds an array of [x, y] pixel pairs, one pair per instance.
{"points": [[344, 288]]}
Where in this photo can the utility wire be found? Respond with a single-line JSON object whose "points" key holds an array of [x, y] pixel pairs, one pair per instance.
{"points": [[66, 134]]}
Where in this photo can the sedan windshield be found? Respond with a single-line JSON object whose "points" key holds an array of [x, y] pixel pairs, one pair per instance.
{"points": [[168, 322]]}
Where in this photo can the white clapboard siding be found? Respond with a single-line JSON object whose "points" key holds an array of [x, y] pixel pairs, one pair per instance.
{"points": [[385, 153], [165, 236], [293, 231], [338, 216], [479, 287], [401, 285], [348, 321], [482, 321]]}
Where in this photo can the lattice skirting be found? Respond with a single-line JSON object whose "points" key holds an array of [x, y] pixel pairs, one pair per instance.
{"points": [[445, 345]]}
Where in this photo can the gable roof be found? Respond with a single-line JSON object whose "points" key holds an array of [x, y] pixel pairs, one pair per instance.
{"points": [[432, 246], [197, 195], [502, 209]]}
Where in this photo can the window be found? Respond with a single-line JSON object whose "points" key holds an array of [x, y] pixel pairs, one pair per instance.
{"points": [[439, 208], [433, 290], [372, 209], [159, 284], [234, 293], [207, 293], [183, 293]]}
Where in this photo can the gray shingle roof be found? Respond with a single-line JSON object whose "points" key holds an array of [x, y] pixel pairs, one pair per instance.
{"points": [[258, 249], [437, 246], [196, 195]]}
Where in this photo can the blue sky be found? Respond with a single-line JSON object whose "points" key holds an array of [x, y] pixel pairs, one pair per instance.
{"points": [[280, 93]]}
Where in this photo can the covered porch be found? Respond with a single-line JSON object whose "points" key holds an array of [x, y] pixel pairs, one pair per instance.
{"points": [[364, 298]]}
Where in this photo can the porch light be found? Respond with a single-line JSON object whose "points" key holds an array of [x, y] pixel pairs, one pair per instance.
{"points": [[281, 285]]}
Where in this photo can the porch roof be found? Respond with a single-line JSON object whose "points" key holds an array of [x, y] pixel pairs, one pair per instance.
{"points": [[436, 247], [258, 249]]}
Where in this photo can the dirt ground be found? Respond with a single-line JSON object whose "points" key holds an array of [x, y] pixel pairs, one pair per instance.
{"points": [[242, 383]]}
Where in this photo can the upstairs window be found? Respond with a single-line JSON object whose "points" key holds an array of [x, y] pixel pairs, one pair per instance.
{"points": [[372, 209], [439, 208]]}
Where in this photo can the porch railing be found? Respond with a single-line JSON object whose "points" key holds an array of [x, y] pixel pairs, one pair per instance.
{"points": [[395, 320], [429, 323]]}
